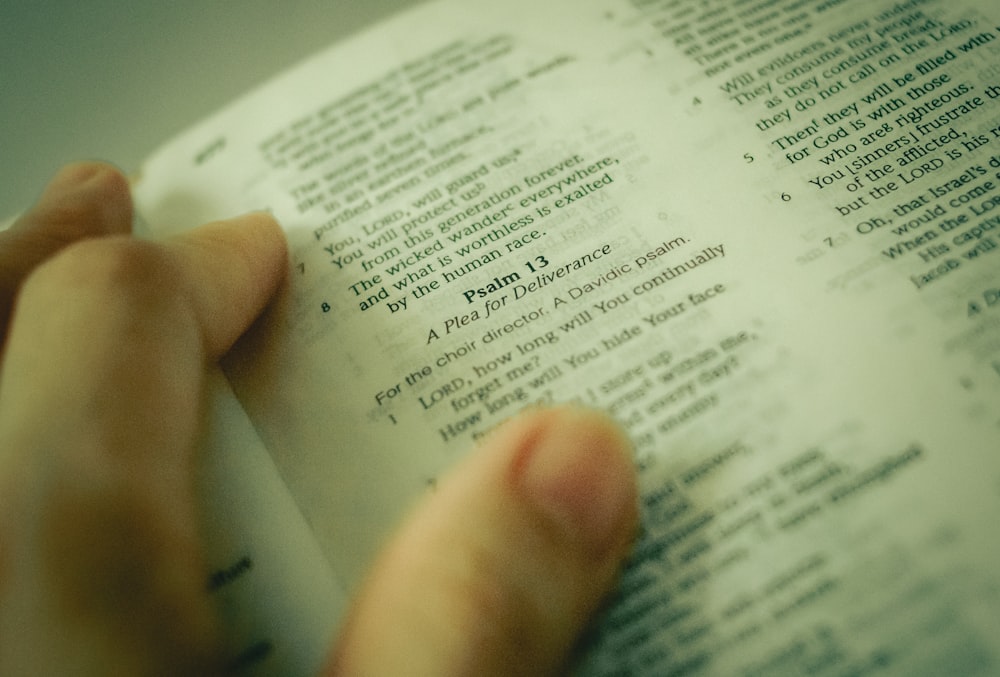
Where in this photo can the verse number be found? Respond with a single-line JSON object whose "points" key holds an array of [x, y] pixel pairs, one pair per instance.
{"points": [[325, 307], [785, 197], [835, 240], [536, 265]]}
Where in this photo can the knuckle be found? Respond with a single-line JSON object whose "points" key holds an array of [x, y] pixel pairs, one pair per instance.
{"points": [[120, 270]]}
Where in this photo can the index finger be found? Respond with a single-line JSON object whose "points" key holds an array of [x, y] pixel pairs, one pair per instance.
{"points": [[131, 324], [100, 398]]}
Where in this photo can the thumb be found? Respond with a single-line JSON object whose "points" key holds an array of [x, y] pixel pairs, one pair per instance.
{"points": [[499, 571]]}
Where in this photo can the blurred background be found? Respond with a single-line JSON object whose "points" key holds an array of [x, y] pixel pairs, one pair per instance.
{"points": [[112, 80]]}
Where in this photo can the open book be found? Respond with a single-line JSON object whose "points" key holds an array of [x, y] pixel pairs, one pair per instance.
{"points": [[762, 234]]}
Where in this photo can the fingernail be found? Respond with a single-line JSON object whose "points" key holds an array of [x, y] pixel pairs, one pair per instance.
{"points": [[578, 472]]}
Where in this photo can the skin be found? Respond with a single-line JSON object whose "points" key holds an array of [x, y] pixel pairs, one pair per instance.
{"points": [[106, 341]]}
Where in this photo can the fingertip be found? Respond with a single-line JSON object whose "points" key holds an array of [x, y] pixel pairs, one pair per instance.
{"points": [[84, 199], [234, 266], [257, 234], [268, 233], [499, 570], [575, 467], [255, 237], [103, 175]]}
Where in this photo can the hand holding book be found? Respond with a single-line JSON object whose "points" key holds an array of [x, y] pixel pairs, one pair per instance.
{"points": [[103, 375]]}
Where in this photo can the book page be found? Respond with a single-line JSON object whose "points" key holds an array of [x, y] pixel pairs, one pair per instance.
{"points": [[275, 594], [760, 234]]}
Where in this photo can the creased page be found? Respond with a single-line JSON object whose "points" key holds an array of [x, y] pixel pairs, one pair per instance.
{"points": [[760, 234]]}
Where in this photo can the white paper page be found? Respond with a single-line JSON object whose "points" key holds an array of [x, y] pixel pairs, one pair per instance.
{"points": [[761, 235], [276, 595]]}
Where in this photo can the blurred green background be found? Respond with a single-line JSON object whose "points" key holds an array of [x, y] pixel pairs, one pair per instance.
{"points": [[112, 80]]}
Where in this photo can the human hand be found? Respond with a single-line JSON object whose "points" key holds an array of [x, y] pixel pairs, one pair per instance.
{"points": [[101, 382]]}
